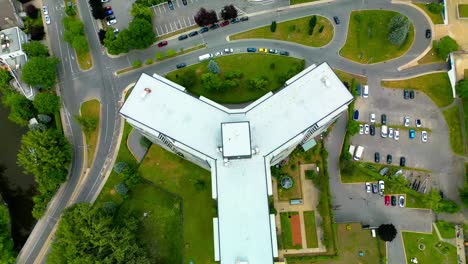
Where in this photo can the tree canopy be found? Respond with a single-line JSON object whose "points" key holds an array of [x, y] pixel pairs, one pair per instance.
{"points": [[228, 12], [88, 234], [21, 109], [142, 34], [47, 103], [204, 17], [211, 81], [141, 11], [387, 232], [398, 29], [444, 46], [7, 253], [462, 88], [35, 49], [40, 72]]}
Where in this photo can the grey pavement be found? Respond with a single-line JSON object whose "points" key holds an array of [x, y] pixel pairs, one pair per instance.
{"points": [[134, 145], [121, 12]]}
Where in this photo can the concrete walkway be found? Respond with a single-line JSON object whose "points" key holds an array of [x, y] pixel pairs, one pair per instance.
{"points": [[133, 143]]}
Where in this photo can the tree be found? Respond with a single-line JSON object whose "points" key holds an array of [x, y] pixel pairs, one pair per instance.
{"points": [[258, 83], [35, 49], [435, 8], [141, 11], [462, 88], [204, 18], [21, 109], [141, 34], [387, 232], [73, 27], [88, 124], [273, 26], [120, 166], [97, 10], [312, 23], [187, 79], [32, 11], [211, 82], [353, 127], [102, 35], [228, 12], [131, 177], [88, 234], [46, 103], [121, 189], [7, 252], [5, 78], [213, 67], [45, 154], [445, 46], [37, 32], [40, 72], [399, 27]]}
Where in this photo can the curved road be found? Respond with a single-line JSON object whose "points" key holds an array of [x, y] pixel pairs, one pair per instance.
{"points": [[100, 82]]}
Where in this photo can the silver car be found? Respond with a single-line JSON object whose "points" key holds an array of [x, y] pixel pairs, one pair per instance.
{"points": [[406, 121], [424, 136]]}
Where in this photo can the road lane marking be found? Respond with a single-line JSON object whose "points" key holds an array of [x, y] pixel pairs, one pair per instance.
{"points": [[60, 48]]}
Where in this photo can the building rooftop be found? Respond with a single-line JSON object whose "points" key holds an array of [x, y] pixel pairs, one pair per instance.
{"points": [[10, 41], [236, 139]]}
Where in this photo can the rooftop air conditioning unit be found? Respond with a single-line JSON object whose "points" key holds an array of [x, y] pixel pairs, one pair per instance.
{"points": [[146, 91]]}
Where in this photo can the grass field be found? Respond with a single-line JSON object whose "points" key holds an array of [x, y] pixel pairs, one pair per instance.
{"points": [[430, 57], [348, 77], [446, 229], [252, 66], [311, 230], [436, 18], [286, 232], [367, 40], [435, 85], [435, 251], [452, 117], [295, 2], [463, 10], [296, 30], [91, 109]]}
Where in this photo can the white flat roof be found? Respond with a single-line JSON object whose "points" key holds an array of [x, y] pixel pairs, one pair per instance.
{"points": [[236, 139]]}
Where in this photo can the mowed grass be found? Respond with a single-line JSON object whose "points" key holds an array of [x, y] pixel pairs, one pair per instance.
{"points": [[348, 77], [430, 57], [91, 109], [465, 115], [286, 229], [295, 2], [296, 30], [367, 40], [435, 85], [446, 229], [436, 18], [463, 10], [311, 230], [435, 251], [253, 66], [192, 185], [452, 117]]}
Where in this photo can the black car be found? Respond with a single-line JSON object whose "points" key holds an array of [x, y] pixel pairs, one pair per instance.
{"points": [[428, 33], [181, 65], [193, 33], [411, 94], [184, 2], [372, 130], [402, 161], [109, 18], [182, 37], [251, 50], [406, 94], [244, 18], [214, 26], [203, 30], [377, 157], [337, 20], [383, 118], [375, 188], [389, 159], [393, 200], [171, 5], [284, 53], [235, 20]]}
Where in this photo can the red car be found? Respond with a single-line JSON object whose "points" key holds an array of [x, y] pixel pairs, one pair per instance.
{"points": [[108, 7], [225, 23], [387, 200], [162, 44]]}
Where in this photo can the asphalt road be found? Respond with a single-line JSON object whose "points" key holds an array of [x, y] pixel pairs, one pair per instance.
{"points": [[99, 82]]}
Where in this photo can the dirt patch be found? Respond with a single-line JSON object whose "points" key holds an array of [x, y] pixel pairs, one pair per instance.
{"points": [[296, 230]]}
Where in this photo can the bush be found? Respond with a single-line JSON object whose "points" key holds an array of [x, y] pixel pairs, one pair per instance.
{"points": [[312, 23], [445, 46], [435, 8], [149, 61], [88, 124], [232, 75], [272, 66], [321, 28], [70, 11], [121, 189], [44, 118], [109, 207], [213, 67], [159, 56], [120, 166], [136, 64], [171, 52], [310, 174], [273, 26], [258, 83], [38, 126]]}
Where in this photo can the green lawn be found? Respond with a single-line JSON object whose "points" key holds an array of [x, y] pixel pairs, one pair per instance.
{"points": [[430, 57], [286, 233], [446, 229], [311, 230], [296, 30], [253, 66], [452, 117], [465, 115], [367, 37], [91, 109], [436, 18], [349, 77], [435, 85], [295, 2], [463, 10], [435, 251]]}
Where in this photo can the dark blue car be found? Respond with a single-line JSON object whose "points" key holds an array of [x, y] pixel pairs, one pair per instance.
{"points": [[204, 29], [356, 115], [358, 89], [251, 49], [109, 12]]}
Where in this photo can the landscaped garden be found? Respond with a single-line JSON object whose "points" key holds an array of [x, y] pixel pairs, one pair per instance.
{"points": [[446, 229], [229, 83], [296, 30], [377, 35], [434, 11], [89, 121], [427, 248], [290, 237]]}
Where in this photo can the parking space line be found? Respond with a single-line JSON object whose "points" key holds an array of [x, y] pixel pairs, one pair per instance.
{"points": [[185, 24], [159, 7], [157, 32], [161, 29], [164, 7], [167, 30], [192, 21], [170, 24], [177, 3]]}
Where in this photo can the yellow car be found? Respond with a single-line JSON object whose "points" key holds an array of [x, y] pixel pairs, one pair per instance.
{"points": [[262, 50]]}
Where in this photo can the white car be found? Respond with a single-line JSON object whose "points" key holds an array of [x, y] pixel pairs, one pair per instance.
{"points": [[361, 129], [228, 50], [424, 136], [390, 132], [45, 10], [368, 187], [366, 129], [372, 118], [111, 22], [397, 134], [105, 1], [219, 53], [47, 19], [406, 121], [381, 187]]}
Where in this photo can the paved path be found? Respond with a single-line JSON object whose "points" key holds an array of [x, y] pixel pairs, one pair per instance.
{"points": [[133, 143]]}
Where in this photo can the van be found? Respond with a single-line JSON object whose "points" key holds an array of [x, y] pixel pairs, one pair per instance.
{"points": [[358, 153], [373, 232], [351, 150], [205, 57], [365, 93], [384, 132]]}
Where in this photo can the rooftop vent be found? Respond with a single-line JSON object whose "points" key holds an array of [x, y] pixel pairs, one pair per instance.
{"points": [[146, 91], [326, 81]]}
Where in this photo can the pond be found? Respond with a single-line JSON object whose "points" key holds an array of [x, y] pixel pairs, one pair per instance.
{"points": [[16, 187]]}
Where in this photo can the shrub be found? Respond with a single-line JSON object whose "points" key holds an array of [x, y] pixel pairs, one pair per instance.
{"points": [[149, 61], [232, 75], [38, 126], [321, 28], [44, 118], [121, 189], [258, 83], [310, 174], [445, 46], [213, 67], [136, 64], [273, 26], [171, 52], [312, 23], [109, 207], [399, 27], [435, 8], [272, 66], [159, 56], [293, 167], [120, 166], [70, 11]]}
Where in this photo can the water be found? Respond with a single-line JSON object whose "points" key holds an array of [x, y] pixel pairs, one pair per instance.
{"points": [[16, 187]]}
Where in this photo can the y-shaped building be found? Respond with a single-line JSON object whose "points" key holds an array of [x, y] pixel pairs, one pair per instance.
{"points": [[238, 146]]}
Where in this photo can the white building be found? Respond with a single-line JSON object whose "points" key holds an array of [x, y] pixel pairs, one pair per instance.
{"points": [[238, 146]]}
